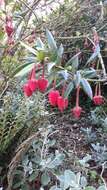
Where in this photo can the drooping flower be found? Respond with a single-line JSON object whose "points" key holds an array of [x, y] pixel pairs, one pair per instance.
{"points": [[77, 110], [27, 90], [33, 83], [53, 97], [42, 84], [98, 99], [62, 103], [42, 81]]}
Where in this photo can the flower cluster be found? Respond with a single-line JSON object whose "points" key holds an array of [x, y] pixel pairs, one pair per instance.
{"points": [[33, 84], [55, 99]]}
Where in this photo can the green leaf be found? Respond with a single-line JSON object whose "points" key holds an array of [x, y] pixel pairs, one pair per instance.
{"points": [[60, 51], [75, 63], [90, 188], [33, 176], [17, 185], [56, 161], [95, 54], [45, 179], [25, 70], [39, 44], [77, 78], [89, 73], [68, 89], [69, 179], [51, 41], [50, 66], [83, 181], [102, 188], [30, 49], [86, 87], [18, 69]]}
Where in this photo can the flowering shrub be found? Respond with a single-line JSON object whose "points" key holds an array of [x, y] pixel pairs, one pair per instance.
{"points": [[70, 76]]}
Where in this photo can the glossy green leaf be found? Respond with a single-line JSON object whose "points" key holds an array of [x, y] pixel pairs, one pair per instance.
{"points": [[86, 87]]}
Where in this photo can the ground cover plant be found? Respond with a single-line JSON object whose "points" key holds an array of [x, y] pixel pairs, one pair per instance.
{"points": [[53, 115]]}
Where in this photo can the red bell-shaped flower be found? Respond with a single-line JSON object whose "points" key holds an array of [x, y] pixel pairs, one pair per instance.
{"points": [[33, 84], [98, 100], [27, 90], [77, 112], [53, 97], [62, 103], [42, 84]]}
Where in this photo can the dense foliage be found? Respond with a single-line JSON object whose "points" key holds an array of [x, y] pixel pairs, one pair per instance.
{"points": [[53, 115]]}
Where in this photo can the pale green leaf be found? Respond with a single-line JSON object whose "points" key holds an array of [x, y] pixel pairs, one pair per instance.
{"points": [[30, 49], [86, 87]]}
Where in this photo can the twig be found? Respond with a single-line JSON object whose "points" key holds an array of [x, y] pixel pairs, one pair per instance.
{"points": [[101, 175], [6, 87]]}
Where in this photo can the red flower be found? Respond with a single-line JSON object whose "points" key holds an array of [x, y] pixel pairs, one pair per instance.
{"points": [[77, 111], [33, 84], [27, 90], [9, 26], [98, 100], [62, 103], [53, 97], [42, 84]]}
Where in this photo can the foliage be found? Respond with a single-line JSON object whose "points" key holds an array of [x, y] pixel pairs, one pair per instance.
{"points": [[18, 115], [75, 64], [99, 117], [38, 165]]}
